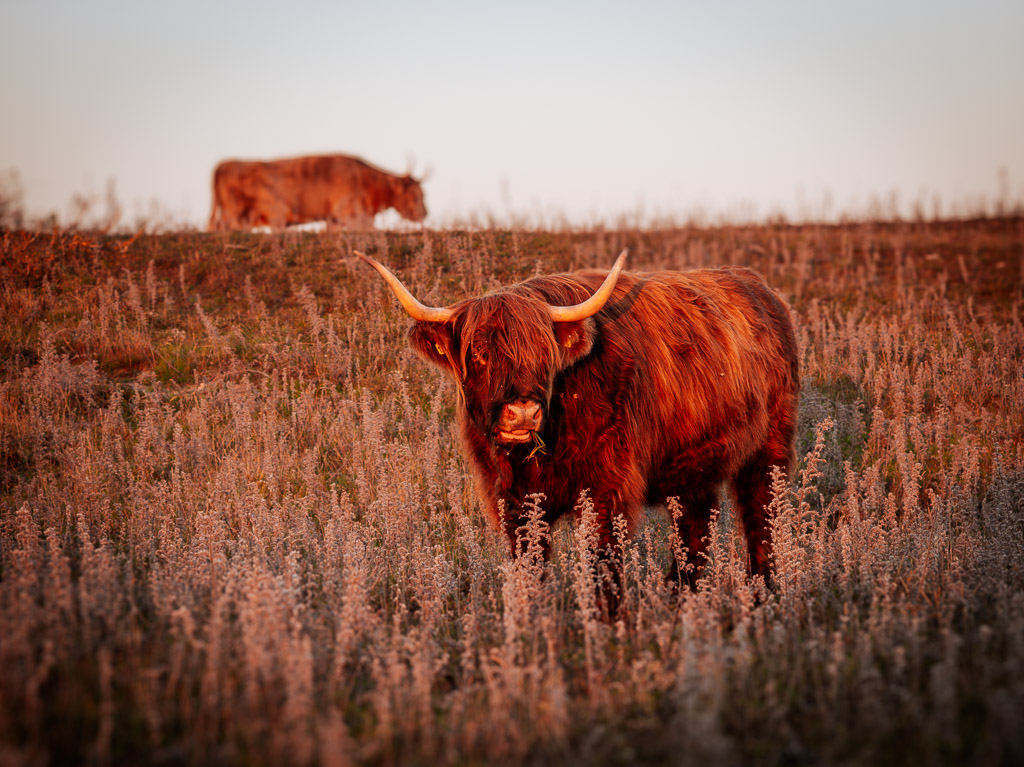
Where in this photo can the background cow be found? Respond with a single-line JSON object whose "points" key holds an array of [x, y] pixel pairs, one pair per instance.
{"points": [[337, 189], [634, 387]]}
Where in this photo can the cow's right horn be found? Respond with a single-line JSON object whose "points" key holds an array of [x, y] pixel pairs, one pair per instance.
{"points": [[408, 301], [596, 302]]}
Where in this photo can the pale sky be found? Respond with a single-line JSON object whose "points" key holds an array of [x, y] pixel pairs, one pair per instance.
{"points": [[574, 111]]}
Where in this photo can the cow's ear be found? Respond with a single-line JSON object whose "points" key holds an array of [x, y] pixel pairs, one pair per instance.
{"points": [[575, 340], [435, 342]]}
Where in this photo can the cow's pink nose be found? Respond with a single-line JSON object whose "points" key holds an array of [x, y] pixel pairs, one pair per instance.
{"points": [[521, 414]]}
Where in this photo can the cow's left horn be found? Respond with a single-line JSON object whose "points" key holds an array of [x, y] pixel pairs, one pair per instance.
{"points": [[596, 302], [408, 301]]}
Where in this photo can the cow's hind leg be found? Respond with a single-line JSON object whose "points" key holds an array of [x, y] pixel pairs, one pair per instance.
{"points": [[691, 517], [752, 488]]}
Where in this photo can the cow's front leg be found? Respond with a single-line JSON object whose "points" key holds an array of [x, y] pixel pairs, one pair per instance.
{"points": [[610, 526], [526, 535]]}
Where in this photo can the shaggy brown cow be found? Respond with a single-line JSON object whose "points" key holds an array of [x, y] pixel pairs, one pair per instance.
{"points": [[638, 387], [335, 188]]}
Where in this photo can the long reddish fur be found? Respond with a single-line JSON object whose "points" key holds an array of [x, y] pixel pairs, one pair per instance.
{"points": [[335, 188], [682, 382]]}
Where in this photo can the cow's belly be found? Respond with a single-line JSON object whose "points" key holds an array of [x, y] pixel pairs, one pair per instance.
{"points": [[696, 467]]}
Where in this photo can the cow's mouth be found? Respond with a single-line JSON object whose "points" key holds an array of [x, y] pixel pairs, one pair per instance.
{"points": [[516, 436]]}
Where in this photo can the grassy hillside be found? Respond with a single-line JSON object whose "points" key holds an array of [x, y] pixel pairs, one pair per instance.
{"points": [[236, 525]]}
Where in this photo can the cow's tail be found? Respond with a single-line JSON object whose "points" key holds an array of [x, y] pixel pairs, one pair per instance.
{"points": [[216, 209]]}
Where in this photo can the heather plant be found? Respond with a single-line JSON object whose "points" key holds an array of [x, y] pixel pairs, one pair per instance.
{"points": [[236, 524]]}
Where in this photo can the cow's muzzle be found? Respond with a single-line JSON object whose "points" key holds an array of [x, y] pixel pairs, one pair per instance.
{"points": [[518, 421]]}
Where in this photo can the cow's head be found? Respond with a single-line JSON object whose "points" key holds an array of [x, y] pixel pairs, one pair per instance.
{"points": [[504, 350], [407, 198]]}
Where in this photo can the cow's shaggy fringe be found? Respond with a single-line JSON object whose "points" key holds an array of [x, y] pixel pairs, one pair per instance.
{"points": [[236, 525]]}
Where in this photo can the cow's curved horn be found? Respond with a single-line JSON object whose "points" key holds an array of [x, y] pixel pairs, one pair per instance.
{"points": [[408, 301], [594, 304]]}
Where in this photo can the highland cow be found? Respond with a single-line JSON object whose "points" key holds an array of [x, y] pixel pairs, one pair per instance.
{"points": [[338, 189], [633, 387]]}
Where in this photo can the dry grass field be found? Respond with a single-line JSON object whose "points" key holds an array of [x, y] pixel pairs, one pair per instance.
{"points": [[236, 526]]}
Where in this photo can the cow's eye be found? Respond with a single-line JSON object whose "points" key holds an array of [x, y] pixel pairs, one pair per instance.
{"points": [[479, 359]]}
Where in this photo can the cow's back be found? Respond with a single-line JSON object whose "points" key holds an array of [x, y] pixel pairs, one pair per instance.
{"points": [[328, 187]]}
